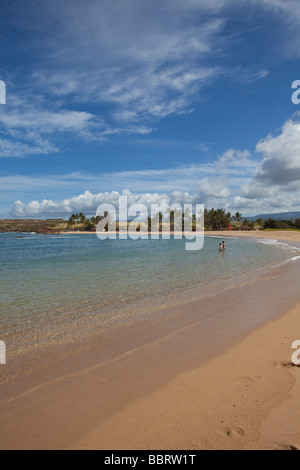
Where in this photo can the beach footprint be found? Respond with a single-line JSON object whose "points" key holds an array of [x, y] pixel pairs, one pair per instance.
{"points": [[285, 365], [234, 433], [289, 448], [249, 380], [104, 380], [294, 448]]}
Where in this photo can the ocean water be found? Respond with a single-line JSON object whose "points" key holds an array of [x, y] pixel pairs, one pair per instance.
{"points": [[60, 289]]}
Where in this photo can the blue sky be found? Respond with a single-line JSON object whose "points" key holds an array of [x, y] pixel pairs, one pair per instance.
{"points": [[158, 99]]}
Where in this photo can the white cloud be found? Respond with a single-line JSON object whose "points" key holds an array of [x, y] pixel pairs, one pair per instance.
{"points": [[212, 191], [214, 183], [28, 129], [9, 148], [47, 122], [281, 202], [236, 181], [229, 182], [248, 76], [290, 8], [88, 203], [281, 162], [138, 62], [287, 13], [275, 183], [233, 158], [128, 60], [197, 183], [169, 179], [208, 192]]}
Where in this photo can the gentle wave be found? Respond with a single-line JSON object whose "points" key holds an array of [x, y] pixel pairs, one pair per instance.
{"points": [[279, 244]]}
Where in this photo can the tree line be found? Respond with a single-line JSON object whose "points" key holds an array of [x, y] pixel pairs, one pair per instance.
{"points": [[272, 224], [214, 220], [88, 225]]}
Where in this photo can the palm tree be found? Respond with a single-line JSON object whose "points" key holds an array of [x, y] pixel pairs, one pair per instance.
{"points": [[261, 223], [238, 216], [71, 220], [82, 218]]}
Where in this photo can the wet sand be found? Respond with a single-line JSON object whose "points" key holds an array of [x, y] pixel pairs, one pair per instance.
{"points": [[178, 383], [290, 236], [282, 235]]}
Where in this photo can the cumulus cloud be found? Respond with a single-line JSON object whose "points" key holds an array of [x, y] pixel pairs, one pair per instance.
{"points": [[88, 203], [182, 185], [281, 162], [237, 162], [214, 184], [236, 180], [213, 191], [280, 202], [274, 183]]}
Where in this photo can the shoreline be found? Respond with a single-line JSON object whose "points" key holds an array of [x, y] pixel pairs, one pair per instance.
{"points": [[281, 235], [95, 389]]}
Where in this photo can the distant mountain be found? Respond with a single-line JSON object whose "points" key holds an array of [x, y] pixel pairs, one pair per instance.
{"points": [[281, 216]]}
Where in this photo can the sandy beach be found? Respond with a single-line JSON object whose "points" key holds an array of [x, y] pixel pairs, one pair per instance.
{"points": [[245, 399], [150, 227], [289, 236], [219, 380]]}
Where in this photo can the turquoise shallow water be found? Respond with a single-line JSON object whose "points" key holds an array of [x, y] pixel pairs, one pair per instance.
{"points": [[58, 289]]}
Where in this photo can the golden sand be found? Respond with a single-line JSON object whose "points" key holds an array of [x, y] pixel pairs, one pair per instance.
{"points": [[248, 398]]}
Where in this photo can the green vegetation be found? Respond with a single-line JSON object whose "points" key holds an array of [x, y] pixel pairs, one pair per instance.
{"points": [[79, 222], [237, 216], [215, 220], [272, 224], [32, 225]]}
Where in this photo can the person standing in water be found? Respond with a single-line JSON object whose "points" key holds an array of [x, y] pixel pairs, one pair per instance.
{"points": [[224, 246], [221, 248]]}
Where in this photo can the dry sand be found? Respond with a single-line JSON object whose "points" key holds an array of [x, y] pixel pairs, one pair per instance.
{"points": [[248, 398], [290, 236]]}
